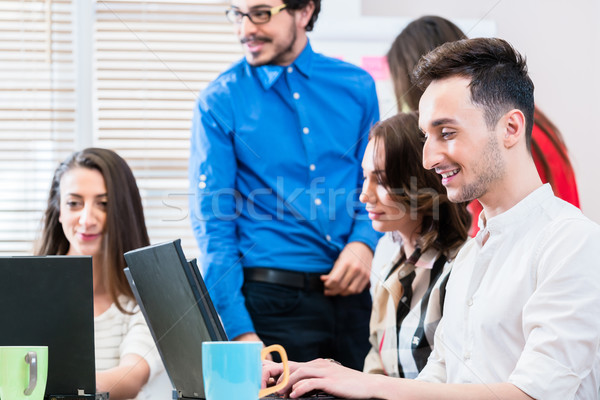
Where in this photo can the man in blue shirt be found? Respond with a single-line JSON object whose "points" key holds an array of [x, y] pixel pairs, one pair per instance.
{"points": [[276, 146]]}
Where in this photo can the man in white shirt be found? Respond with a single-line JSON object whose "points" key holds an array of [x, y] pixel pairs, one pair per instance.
{"points": [[521, 312]]}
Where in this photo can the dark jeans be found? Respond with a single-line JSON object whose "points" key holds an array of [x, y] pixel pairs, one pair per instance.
{"points": [[309, 324]]}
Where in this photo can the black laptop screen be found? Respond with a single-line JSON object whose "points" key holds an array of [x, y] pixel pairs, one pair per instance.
{"points": [[174, 301], [48, 301]]}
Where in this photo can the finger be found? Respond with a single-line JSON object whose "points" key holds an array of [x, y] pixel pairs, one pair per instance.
{"points": [[293, 366], [358, 285], [350, 273], [329, 288], [334, 278], [305, 386], [269, 371], [352, 279]]}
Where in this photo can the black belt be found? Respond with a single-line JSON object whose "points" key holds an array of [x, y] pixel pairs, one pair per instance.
{"points": [[299, 280]]}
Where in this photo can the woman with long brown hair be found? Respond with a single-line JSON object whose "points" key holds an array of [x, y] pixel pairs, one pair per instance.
{"points": [[95, 209], [410, 203]]}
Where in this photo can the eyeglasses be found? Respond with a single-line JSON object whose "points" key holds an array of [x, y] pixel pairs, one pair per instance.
{"points": [[257, 17]]}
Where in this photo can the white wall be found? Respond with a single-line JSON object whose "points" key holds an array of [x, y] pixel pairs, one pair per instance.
{"points": [[560, 39]]}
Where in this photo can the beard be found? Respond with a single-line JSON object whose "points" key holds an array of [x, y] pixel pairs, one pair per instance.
{"points": [[283, 51], [280, 57], [489, 169]]}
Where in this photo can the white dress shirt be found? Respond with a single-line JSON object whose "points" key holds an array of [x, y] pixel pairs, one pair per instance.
{"points": [[524, 307]]}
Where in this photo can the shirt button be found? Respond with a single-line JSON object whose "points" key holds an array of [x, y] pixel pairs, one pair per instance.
{"points": [[318, 201], [202, 185], [305, 130], [296, 95], [202, 177], [312, 167], [470, 302], [328, 238], [467, 356], [290, 70]]}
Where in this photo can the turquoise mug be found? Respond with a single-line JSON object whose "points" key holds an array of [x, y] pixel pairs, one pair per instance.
{"points": [[233, 370], [23, 372]]}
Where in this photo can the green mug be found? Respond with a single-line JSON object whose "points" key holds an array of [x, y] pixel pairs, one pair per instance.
{"points": [[23, 372]]}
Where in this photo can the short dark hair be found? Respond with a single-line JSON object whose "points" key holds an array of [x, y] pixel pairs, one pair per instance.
{"points": [[300, 4], [498, 74], [445, 224], [417, 38], [125, 226]]}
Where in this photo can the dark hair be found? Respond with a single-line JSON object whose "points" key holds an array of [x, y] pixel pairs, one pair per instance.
{"points": [[125, 227], [445, 224], [498, 74], [417, 38], [300, 4]]}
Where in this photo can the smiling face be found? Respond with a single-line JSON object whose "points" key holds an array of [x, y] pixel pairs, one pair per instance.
{"points": [[459, 145], [279, 41], [83, 200], [386, 214]]}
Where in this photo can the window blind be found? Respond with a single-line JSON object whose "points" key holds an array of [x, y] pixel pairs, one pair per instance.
{"points": [[37, 112], [151, 60]]}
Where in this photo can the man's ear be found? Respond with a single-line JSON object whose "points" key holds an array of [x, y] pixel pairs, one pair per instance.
{"points": [[305, 14], [514, 128]]}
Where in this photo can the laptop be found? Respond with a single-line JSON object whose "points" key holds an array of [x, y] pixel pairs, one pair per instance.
{"points": [[172, 297], [48, 301], [175, 302]]}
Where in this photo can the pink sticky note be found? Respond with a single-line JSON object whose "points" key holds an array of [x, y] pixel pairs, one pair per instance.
{"points": [[377, 67]]}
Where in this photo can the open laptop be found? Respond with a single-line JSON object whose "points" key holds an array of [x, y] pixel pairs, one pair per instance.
{"points": [[175, 302], [48, 301], [178, 310]]}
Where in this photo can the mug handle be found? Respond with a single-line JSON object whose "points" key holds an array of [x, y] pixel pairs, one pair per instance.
{"points": [[286, 370], [31, 359]]}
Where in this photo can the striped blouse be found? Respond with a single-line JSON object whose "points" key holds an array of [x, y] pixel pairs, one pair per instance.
{"points": [[407, 307], [118, 334]]}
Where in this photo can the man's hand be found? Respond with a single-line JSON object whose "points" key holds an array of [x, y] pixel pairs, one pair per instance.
{"points": [[351, 272]]}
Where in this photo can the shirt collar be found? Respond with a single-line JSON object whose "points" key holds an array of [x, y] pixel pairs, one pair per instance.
{"points": [[269, 74], [426, 260], [518, 212]]}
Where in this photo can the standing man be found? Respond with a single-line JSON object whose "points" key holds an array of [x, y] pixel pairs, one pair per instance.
{"points": [[276, 146], [521, 309]]}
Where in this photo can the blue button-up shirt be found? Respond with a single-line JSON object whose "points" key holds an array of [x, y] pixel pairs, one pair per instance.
{"points": [[275, 171]]}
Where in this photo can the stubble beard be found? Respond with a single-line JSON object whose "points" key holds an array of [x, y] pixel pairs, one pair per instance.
{"points": [[489, 169], [279, 57]]}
